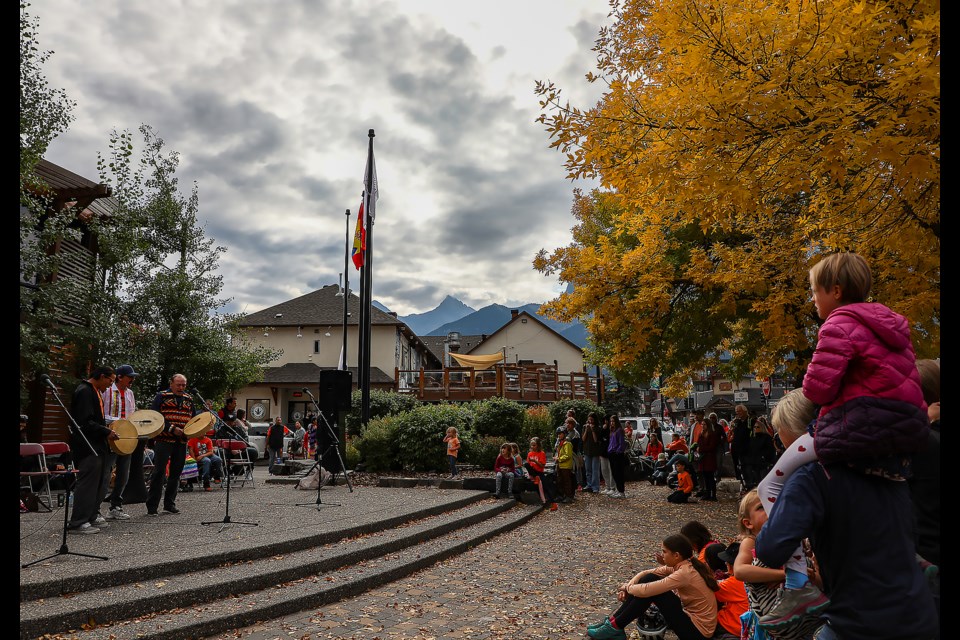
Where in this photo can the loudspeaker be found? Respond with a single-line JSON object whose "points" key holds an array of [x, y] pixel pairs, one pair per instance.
{"points": [[335, 388]]}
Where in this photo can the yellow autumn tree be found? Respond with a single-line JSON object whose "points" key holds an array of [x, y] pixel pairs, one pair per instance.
{"points": [[737, 142]]}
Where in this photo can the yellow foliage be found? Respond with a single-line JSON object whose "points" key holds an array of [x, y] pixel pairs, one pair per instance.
{"points": [[738, 140]]}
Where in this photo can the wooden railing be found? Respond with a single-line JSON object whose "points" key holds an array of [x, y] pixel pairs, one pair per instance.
{"points": [[523, 384]]}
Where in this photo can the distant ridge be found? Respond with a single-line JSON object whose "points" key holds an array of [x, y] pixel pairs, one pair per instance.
{"points": [[449, 310], [492, 317]]}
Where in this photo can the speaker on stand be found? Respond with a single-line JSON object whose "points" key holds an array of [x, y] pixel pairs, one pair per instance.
{"points": [[335, 388]]}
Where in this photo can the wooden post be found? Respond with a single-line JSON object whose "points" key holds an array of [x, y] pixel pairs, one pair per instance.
{"points": [[446, 383], [421, 385]]}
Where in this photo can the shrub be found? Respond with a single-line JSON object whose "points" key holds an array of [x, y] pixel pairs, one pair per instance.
{"points": [[498, 417], [485, 451], [581, 409], [353, 456], [537, 423], [379, 447], [421, 433], [382, 404]]}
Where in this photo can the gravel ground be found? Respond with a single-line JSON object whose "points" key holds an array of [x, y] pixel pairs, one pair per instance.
{"points": [[548, 579]]}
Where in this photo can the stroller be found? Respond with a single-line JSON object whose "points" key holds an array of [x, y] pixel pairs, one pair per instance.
{"points": [[642, 466]]}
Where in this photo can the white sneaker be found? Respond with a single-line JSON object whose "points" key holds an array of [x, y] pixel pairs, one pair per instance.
{"points": [[99, 521], [117, 513], [619, 495], [85, 529]]}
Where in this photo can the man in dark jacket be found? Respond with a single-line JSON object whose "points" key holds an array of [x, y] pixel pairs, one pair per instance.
{"points": [[861, 530], [90, 450]]}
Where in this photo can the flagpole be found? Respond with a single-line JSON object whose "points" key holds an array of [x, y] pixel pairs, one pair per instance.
{"points": [[346, 290], [371, 197]]}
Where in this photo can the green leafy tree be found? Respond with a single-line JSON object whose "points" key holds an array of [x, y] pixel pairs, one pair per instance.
{"points": [[382, 403], [421, 434], [45, 112], [158, 301]]}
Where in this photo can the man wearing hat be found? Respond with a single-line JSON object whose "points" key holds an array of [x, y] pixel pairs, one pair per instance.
{"points": [[119, 403]]}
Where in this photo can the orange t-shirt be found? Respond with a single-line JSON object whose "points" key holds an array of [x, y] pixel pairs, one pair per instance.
{"points": [[684, 482], [733, 598], [453, 445]]}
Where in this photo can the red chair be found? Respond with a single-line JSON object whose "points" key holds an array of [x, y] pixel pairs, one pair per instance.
{"points": [[33, 469]]}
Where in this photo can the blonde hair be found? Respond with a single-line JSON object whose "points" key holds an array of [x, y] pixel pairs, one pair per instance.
{"points": [[749, 499], [514, 448], [454, 429], [929, 380], [848, 270], [793, 413]]}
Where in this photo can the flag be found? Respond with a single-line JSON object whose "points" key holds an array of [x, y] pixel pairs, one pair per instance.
{"points": [[359, 240], [371, 202], [342, 365]]}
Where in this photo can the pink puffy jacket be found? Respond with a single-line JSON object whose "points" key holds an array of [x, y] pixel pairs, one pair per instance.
{"points": [[864, 376]]}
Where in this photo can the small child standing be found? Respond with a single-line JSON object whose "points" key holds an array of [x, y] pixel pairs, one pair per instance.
{"points": [[504, 468], [564, 459], [453, 448], [684, 484]]}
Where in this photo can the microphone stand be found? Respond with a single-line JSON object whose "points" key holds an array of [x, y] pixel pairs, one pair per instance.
{"points": [[226, 468], [64, 550], [319, 461]]}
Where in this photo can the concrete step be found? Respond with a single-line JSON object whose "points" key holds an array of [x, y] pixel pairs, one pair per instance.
{"points": [[212, 601]]}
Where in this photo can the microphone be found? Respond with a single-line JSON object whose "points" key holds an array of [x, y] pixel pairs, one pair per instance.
{"points": [[45, 379]]}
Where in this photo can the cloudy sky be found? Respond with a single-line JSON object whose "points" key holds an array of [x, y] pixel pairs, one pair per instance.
{"points": [[269, 103]]}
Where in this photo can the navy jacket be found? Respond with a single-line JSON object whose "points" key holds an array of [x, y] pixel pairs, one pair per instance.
{"points": [[861, 530]]}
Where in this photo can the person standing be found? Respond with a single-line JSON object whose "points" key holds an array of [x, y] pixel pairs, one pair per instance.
{"points": [[617, 457], [740, 438], [591, 453], [118, 404], [90, 450], [170, 445], [275, 436]]}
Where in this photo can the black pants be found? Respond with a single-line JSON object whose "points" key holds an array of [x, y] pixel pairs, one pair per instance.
{"points": [[617, 464], [678, 497], [709, 483], [669, 605], [176, 453], [547, 482]]}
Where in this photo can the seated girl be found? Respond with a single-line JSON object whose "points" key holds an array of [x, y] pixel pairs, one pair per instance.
{"points": [[683, 590]]}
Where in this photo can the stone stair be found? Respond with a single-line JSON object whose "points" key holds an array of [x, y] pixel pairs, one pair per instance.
{"points": [[189, 597]]}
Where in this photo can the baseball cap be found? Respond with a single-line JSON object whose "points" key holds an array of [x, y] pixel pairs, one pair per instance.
{"points": [[126, 370]]}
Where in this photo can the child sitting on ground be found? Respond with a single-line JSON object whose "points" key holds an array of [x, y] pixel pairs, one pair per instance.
{"points": [[684, 484], [504, 467]]}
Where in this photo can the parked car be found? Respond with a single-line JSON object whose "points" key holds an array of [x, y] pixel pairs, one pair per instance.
{"points": [[641, 425]]}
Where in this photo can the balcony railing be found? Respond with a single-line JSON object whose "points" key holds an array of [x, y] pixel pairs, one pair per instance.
{"points": [[524, 384]]}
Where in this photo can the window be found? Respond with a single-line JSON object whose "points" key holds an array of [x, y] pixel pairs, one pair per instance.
{"points": [[316, 346]]}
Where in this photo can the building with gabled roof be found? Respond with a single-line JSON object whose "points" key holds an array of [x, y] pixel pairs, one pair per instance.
{"points": [[307, 333]]}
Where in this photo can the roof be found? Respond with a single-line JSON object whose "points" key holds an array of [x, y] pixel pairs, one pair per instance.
{"points": [[309, 373], [435, 343], [319, 307], [70, 187], [524, 314]]}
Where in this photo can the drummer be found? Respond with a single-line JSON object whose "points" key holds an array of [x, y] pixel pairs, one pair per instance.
{"points": [[177, 408], [89, 448], [119, 403]]}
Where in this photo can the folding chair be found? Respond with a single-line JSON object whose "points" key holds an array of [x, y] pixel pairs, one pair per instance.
{"points": [[33, 458], [57, 450], [234, 454]]}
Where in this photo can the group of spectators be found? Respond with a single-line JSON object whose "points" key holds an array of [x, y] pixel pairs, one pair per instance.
{"points": [[841, 538]]}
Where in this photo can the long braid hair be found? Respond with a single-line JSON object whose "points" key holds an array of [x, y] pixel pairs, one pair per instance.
{"points": [[679, 543]]}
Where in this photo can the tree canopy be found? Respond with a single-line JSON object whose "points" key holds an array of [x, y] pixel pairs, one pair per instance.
{"points": [[736, 143]]}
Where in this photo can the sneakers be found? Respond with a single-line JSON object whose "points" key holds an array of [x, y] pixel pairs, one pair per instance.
{"points": [[606, 631], [619, 495], [152, 513], [117, 513], [553, 506], [99, 521], [85, 529], [795, 604], [171, 509], [207, 488]]}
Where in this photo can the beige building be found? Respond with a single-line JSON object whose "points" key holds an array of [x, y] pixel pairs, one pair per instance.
{"points": [[527, 340], [308, 333]]}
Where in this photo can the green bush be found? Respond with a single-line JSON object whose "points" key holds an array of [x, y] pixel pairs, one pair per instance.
{"points": [[382, 404], [581, 409], [486, 450], [498, 417], [421, 433], [379, 447], [352, 457]]}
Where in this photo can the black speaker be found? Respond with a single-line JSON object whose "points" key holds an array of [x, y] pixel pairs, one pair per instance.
{"points": [[335, 388]]}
